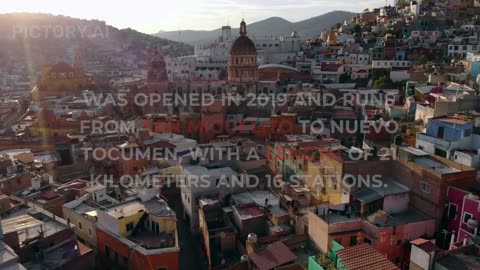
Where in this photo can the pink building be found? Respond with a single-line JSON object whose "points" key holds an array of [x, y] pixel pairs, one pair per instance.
{"points": [[463, 213]]}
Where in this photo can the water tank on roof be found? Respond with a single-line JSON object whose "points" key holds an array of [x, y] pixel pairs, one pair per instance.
{"points": [[472, 196], [252, 238], [472, 223]]}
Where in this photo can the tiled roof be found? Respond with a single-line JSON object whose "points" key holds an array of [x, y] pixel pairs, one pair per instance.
{"points": [[272, 256], [364, 256]]}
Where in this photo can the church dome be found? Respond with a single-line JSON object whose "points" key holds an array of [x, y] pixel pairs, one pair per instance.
{"points": [[243, 45]]}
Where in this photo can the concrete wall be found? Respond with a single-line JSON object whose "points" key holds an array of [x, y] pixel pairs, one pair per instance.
{"points": [[396, 203], [419, 259], [318, 232], [88, 232], [399, 75]]}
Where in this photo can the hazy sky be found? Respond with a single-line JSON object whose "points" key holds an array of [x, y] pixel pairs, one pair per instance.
{"points": [[150, 16]]}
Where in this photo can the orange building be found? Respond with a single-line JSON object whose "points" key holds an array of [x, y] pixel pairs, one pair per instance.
{"points": [[47, 124]]}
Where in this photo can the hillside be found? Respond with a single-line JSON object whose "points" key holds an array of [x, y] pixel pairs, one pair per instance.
{"points": [[43, 38], [269, 27]]}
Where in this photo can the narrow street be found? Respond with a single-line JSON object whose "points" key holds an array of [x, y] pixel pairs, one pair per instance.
{"points": [[191, 253]]}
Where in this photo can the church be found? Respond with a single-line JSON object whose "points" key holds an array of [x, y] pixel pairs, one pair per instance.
{"points": [[244, 77], [61, 79]]}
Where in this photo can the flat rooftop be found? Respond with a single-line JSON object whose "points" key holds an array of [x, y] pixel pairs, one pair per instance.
{"points": [[126, 209], [155, 206], [151, 240], [334, 218], [28, 223], [390, 187], [201, 170], [411, 216], [434, 165], [8, 258], [248, 211], [259, 197]]}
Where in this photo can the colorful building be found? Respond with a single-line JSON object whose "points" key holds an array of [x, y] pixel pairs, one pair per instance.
{"points": [[139, 234]]}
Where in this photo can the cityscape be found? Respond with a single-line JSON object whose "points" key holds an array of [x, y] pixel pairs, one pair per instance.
{"points": [[339, 136]]}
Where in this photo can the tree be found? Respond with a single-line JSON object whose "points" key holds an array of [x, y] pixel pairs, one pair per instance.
{"points": [[422, 60], [401, 4], [383, 82], [357, 28]]}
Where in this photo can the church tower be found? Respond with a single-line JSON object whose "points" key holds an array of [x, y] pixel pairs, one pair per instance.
{"points": [[242, 63], [156, 83]]}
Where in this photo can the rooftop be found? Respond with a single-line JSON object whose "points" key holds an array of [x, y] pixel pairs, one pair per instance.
{"points": [[434, 165], [28, 222], [460, 261], [389, 187], [382, 219], [364, 256], [272, 256], [8, 258], [126, 209], [201, 170]]}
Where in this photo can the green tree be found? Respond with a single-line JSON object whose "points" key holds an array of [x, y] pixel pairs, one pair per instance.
{"points": [[383, 82], [422, 60], [402, 4], [357, 28]]}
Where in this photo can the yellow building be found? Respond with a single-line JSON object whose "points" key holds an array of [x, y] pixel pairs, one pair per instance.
{"points": [[60, 79], [324, 174], [153, 215]]}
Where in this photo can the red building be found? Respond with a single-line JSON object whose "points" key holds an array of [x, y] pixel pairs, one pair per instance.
{"points": [[463, 213]]}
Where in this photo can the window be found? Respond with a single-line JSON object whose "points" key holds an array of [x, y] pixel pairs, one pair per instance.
{"points": [[425, 187], [467, 133], [116, 257], [368, 241], [107, 251], [80, 226], [466, 217], [125, 260], [452, 211], [129, 226], [399, 242], [90, 232]]}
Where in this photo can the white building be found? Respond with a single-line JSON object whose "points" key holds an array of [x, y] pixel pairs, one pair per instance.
{"points": [[200, 181], [460, 46], [210, 61], [389, 64]]}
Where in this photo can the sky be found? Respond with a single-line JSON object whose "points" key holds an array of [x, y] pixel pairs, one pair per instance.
{"points": [[151, 16]]}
